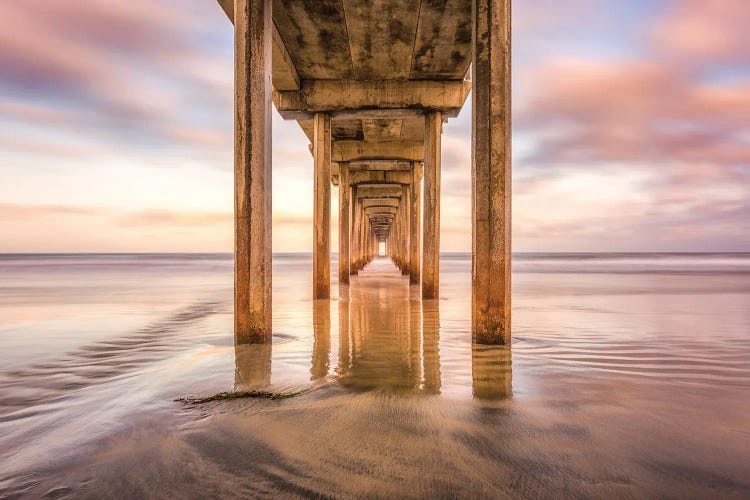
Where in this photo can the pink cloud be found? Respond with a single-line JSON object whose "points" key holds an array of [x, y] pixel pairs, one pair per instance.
{"points": [[173, 218], [700, 31], [588, 111], [23, 212]]}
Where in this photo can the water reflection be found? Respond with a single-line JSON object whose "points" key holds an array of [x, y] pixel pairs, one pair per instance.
{"points": [[491, 372], [252, 366], [388, 339], [321, 357]]}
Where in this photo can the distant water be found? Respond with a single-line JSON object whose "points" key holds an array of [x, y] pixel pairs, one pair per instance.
{"points": [[628, 376]]}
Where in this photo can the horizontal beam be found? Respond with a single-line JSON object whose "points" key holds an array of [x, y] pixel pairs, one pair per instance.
{"points": [[392, 165], [379, 191], [354, 151], [380, 165], [347, 96], [373, 211], [371, 176], [380, 202]]}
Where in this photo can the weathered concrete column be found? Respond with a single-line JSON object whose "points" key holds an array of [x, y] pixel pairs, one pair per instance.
{"points": [[396, 241], [431, 224], [252, 171], [357, 257], [405, 227], [399, 242], [369, 242], [491, 172], [344, 211], [322, 207], [365, 240], [354, 247], [415, 201], [365, 230]]}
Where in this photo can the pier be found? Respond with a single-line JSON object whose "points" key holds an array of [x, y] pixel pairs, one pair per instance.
{"points": [[371, 84]]}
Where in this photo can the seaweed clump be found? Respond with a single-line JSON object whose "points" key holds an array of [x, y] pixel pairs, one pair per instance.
{"points": [[224, 396]]}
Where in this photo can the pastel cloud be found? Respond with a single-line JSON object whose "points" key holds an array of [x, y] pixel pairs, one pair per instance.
{"points": [[705, 31], [631, 129]]}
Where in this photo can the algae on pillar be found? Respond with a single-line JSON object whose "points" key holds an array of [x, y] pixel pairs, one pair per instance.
{"points": [[491, 172], [252, 171]]}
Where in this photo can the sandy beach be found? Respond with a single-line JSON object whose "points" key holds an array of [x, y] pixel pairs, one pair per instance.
{"points": [[627, 377]]}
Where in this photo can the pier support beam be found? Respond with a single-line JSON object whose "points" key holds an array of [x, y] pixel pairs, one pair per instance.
{"points": [[344, 211], [491, 171], [252, 171], [431, 223], [415, 200], [322, 207], [405, 228], [354, 244]]}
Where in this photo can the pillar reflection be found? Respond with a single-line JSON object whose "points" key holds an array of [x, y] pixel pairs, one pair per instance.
{"points": [[321, 359], [430, 338], [491, 372], [386, 340], [252, 366]]}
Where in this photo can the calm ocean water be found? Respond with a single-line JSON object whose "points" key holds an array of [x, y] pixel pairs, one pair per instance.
{"points": [[628, 376]]}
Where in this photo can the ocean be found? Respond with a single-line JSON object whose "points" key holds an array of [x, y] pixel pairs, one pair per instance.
{"points": [[628, 376]]}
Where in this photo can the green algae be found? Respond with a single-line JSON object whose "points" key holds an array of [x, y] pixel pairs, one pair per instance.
{"points": [[225, 396]]}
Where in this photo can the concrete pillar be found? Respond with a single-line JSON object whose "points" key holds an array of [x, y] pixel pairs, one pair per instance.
{"points": [[405, 227], [415, 201], [397, 241], [344, 211], [353, 248], [369, 241], [491, 172], [357, 235], [252, 171], [431, 223], [394, 232], [363, 249], [322, 207], [365, 230]]}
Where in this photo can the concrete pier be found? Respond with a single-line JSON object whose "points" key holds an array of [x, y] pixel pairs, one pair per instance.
{"points": [[344, 227], [371, 85], [322, 207], [252, 172], [491, 172], [433, 128], [415, 229]]}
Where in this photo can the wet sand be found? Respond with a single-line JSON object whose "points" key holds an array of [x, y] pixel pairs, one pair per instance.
{"points": [[625, 379]]}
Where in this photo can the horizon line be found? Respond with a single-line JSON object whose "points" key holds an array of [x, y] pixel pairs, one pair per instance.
{"points": [[229, 253]]}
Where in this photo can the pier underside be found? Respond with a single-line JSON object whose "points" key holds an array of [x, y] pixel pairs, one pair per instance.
{"points": [[371, 84]]}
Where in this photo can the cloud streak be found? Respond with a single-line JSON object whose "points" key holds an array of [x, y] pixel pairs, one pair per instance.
{"points": [[631, 128]]}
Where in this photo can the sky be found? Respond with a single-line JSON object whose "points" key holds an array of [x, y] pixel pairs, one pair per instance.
{"points": [[631, 130]]}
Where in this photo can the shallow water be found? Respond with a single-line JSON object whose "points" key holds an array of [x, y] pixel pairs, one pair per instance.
{"points": [[628, 376]]}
